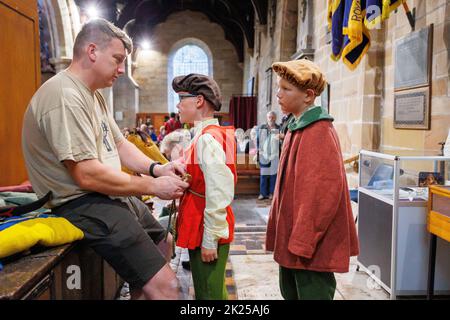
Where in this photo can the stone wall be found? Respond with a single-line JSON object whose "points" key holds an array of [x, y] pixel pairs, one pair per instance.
{"points": [[428, 12], [275, 41], [362, 101], [125, 100], [151, 72]]}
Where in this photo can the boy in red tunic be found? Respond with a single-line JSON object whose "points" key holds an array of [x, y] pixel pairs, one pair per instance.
{"points": [[205, 223], [311, 228]]}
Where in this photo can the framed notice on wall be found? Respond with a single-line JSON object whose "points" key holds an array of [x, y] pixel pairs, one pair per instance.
{"points": [[412, 85], [412, 109], [413, 57]]}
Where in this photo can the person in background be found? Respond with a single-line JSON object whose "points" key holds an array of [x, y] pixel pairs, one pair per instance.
{"points": [[268, 154], [172, 124], [162, 134], [152, 134], [144, 132], [126, 132]]}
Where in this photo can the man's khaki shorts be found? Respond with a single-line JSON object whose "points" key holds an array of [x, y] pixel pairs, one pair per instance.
{"points": [[124, 233]]}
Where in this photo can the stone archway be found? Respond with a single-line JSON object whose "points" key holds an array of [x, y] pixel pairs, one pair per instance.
{"points": [[61, 20]]}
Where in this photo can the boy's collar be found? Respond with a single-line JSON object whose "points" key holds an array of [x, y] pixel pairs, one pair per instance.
{"points": [[199, 125], [310, 116]]}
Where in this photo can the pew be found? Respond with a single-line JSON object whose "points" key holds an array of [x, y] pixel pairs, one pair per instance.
{"points": [[248, 175], [68, 272]]}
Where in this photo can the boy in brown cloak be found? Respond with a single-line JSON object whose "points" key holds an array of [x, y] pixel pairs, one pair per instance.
{"points": [[310, 229]]}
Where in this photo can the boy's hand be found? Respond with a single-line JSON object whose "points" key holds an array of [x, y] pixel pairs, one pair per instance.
{"points": [[209, 255]]}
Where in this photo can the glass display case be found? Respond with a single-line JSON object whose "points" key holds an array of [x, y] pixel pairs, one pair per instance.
{"points": [[392, 221]]}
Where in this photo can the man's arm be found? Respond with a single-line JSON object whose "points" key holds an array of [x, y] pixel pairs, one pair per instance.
{"points": [[92, 175], [135, 160], [132, 158]]}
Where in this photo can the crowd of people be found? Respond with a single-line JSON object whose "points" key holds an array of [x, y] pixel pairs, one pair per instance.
{"points": [[262, 143], [73, 148]]}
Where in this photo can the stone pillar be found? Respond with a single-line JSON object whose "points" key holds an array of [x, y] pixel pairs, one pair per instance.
{"points": [[125, 96], [305, 30]]}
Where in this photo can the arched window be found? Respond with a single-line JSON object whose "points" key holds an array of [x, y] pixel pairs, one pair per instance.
{"points": [[189, 56]]}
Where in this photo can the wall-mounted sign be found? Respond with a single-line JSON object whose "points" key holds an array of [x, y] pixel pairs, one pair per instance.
{"points": [[412, 109]]}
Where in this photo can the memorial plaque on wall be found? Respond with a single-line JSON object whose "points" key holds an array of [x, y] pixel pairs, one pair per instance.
{"points": [[411, 109], [413, 59]]}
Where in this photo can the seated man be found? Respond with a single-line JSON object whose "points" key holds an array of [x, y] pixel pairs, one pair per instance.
{"points": [[73, 147]]}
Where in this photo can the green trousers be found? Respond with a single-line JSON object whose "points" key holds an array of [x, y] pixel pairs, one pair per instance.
{"points": [[209, 278], [297, 284]]}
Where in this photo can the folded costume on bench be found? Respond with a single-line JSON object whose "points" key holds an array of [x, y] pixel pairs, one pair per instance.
{"points": [[45, 230], [21, 232]]}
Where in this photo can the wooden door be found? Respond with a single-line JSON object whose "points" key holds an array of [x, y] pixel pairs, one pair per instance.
{"points": [[20, 78]]}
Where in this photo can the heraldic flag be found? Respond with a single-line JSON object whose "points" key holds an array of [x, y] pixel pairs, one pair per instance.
{"points": [[350, 21]]}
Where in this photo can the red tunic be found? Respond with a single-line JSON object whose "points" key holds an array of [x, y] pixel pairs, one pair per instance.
{"points": [[310, 223], [191, 210]]}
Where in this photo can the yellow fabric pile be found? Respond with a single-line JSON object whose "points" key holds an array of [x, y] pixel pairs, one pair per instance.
{"points": [[43, 231], [149, 148]]}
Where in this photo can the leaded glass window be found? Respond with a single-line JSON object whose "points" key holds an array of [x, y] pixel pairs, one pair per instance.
{"points": [[188, 59]]}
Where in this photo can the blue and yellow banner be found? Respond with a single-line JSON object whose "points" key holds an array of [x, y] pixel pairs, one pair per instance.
{"points": [[356, 34], [389, 6], [374, 13], [335, 24], [350, 21]]}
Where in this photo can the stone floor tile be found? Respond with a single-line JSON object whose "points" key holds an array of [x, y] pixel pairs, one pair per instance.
{"points": [[251, 285]]}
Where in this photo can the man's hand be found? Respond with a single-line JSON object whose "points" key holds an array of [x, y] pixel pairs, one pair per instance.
{"points": [[168, 187], [209, 255], [171, 169]]}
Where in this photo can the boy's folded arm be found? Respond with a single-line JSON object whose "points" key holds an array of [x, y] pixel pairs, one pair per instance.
{"points": [[219, 190], [318, 191]]}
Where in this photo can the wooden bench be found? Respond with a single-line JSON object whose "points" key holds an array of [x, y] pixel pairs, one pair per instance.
{"points": [[68, 272], [248, 175]]}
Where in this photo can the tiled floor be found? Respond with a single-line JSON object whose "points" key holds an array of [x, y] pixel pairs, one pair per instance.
{"points": [[256, 273], [252, 274]]}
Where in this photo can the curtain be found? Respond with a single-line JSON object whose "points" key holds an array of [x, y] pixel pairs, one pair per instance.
{"points": [[243, 112]]}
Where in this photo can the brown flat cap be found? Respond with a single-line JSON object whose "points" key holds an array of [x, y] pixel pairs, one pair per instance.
{"points": [[301, 73], [199, 84]]}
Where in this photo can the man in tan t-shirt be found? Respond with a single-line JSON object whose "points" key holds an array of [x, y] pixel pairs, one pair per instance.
{"points": [[73, 148]]}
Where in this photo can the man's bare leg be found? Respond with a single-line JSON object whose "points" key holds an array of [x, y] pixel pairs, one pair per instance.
{"points": [[141, 294], [163, 285], [166, 247]]}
